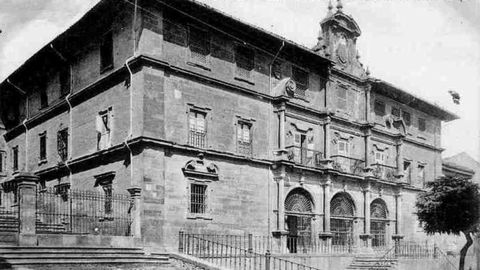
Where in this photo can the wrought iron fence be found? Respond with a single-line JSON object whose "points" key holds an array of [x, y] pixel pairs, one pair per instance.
{"points": [[231, 257], [256, 243], [304, 156], [384, 172], [83, 212], [413, 250], [348, 164], [8, 211]]}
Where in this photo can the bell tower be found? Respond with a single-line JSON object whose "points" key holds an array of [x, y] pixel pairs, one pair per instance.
{"points": [[337, 40]]}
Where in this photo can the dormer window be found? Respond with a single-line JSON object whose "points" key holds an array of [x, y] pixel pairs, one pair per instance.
{"points": [[199, 44], [300, 77]]}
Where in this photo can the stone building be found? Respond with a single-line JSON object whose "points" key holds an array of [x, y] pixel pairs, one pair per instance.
{"points": [[225, 127]]}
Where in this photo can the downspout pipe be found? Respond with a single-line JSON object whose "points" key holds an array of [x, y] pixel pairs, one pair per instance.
{"points": [[270, 169], [24, 122]]}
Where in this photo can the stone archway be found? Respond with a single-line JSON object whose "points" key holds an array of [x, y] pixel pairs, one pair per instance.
{"points": [[298, 213], [342, 213], [378, 222]]}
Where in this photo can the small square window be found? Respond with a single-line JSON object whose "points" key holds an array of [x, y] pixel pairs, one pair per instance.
{"points": [[198, 199], [406, 118], [396, 111], [244, 58], [43, 146], [379, 108], [422, 124], [106, 52]]}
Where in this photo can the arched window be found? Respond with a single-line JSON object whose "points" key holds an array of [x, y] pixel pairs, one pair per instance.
{"points": [[342, 211], [299, 212], [378, 222], [299, 201]]}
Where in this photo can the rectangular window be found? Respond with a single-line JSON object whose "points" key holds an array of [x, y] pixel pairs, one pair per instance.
{"points": [[421, 173], [43, 146], [300, 77], [244, 58], [396, 111], [198, 199], [406, 118], [344, 148], [62, 144], [379, 157], [421, 124], [199, 44], [43, 98], [407, 171], [106, 52], [244, 139], [65, 79], [197, 128], [15, 158], [2, 162], [342, 98], [174, 32], [104, 124], [379, 108]]}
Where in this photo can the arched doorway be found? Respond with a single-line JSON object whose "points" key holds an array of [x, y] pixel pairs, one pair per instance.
{"points": [[299, 212], [342, 212], [378, 222]]}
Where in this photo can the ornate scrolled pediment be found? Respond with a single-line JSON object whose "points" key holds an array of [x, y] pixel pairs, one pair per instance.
{"points": [[198, 168], [285, 87]]}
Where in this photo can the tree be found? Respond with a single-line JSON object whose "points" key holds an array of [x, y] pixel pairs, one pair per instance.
{"points": [[451, 205]]}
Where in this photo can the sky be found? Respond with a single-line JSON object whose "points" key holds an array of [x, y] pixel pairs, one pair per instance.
{"points": [[426, 47]]}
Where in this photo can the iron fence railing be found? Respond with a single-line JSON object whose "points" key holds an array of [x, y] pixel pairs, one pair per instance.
{"points": [[83, 212], [348, 164], [384, 172], [197, 139], [8, 211], [234, 258], [256, 243], [304, 156]]}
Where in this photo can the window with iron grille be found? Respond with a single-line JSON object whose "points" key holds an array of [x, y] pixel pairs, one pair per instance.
{"points": [[406, 118], [108, 206], [422, 124], [65, 77], [244, 58], [43, 97], [300, 77], [379, 108], [199, 44], [62, 144], [244, 138], [15, 158], [197, 128], [396, 111], [43, 145], [343, 148], [198, 199], [106, 52], [104, 124]]}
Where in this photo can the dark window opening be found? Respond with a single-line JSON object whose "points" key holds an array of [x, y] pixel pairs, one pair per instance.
{"points": [[62, 144], [15, 158], [244, 58], [407, 171], [421, 124], [106, 52], [43, 98], [406, 118], [396, 111], [174, 32], [43, 146], [300, 77], [379, 108], [198, 199], [199, 43]]}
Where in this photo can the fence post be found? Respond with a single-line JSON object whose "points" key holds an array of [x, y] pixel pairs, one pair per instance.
{"points": [[180, 241], [267, 260], [250, 242], [435, 251], [27, 201], [135, 196]]}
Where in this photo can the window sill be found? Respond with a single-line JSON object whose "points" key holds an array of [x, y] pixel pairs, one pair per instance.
{"points": [[42, 161], [199, 217], [243, 79], [199, 65]]}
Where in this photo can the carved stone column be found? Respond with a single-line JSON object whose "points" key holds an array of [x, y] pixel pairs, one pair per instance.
{"points": [[326, 128], [398, 217], [280, 234], [282, 127], [136, 212], [400, 158], [326, 235], [366, 236]]}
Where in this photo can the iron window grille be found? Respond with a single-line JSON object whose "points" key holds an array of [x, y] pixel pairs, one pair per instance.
{"points": [[62, 144], [199, 44], [106, 52], [300, 77], [198, 199], [43, 146], [244, 138], [244, 58], [197, 129]]}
